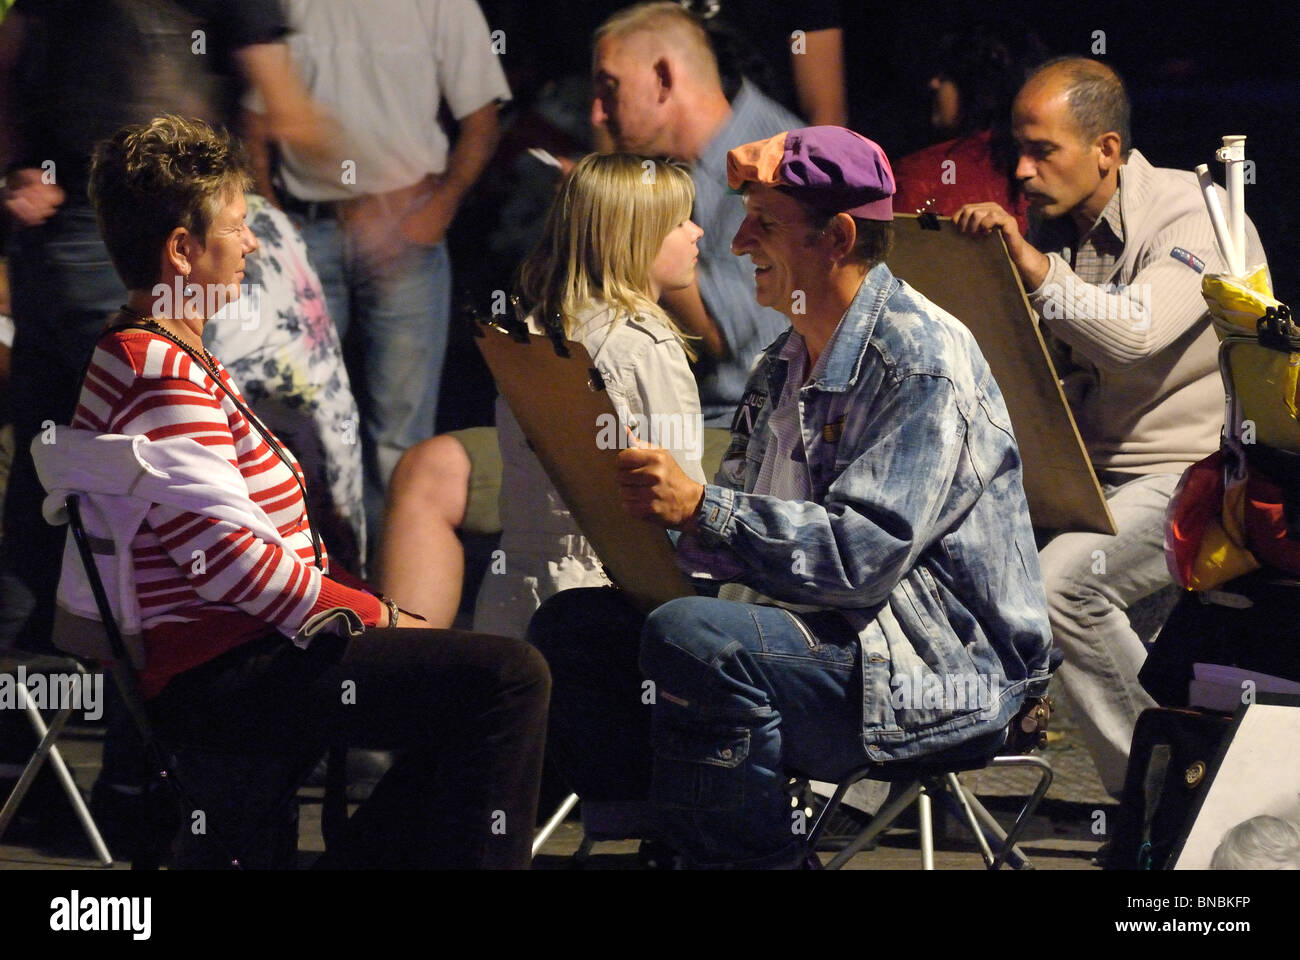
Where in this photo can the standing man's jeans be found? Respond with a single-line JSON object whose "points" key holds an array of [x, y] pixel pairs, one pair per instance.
{"points": [[1092, 580], [401, 314], [739, 697]]}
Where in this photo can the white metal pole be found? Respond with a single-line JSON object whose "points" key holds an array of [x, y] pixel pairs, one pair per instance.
{"points": [[925, 821], [1233, 155], [1215, 209], [66, 780]]}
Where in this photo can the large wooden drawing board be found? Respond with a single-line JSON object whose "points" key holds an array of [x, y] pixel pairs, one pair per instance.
{"points": [[558, 409], [974, 280]]}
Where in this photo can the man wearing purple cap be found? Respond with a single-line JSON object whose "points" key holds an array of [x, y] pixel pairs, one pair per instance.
{"points": [[880, 593]]}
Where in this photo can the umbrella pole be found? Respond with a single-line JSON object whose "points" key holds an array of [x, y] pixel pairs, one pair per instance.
{"points": [[1233, 155]]}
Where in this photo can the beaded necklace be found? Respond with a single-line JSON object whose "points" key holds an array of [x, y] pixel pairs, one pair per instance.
{"points": [[157, 327], [209, 364]]}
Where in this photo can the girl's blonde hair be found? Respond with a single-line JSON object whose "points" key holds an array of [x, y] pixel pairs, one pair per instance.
{"points": [[602, 234]]}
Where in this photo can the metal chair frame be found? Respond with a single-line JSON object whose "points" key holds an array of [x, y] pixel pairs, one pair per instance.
{"points": [[162, 759], [557, 818], [922, 783], [47, 749]]}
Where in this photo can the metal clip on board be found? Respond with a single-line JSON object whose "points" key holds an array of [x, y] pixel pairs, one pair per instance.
{"points": [[555, 331]]}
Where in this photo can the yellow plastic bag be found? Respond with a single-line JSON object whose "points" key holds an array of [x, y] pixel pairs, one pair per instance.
{"points": [[1267, 384], [1237, 302]]}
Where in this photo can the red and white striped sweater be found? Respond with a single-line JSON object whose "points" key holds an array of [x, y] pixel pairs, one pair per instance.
{"points": [[206, 586]]}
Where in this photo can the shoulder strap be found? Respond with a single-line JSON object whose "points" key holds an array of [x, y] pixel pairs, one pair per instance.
{"points": [[252, 419]]}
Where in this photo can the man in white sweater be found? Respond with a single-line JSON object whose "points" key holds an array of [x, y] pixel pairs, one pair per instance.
{"points": [[1113, 265]]}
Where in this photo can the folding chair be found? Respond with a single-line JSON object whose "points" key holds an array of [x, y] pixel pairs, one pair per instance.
{"points": [[923, 780], [601, 823], [167, 776], [922, 783], [46, 747], [557, 818]]}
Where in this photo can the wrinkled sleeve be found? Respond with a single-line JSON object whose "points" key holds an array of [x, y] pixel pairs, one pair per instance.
{"points": [[1118, 327], [880, 513]]}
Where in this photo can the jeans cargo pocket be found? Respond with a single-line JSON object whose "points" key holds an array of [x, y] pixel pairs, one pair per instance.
{"points": [[700, 768]]}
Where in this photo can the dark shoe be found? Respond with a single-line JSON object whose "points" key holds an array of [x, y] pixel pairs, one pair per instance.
{"points": [[117, 813], [657, 855], [365, 768]]}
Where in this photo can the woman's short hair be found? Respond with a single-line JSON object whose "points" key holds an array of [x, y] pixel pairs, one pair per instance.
{"points": [[602, 235], [148, 179]]}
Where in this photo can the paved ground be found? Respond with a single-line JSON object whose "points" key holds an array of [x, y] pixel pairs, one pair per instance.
{"points": [[1060, 837]]}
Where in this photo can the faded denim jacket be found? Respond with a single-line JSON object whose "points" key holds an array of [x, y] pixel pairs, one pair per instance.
{"points": [[918, 532]]}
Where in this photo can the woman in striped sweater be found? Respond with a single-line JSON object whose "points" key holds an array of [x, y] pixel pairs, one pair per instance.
{"points": [[250, 638]]}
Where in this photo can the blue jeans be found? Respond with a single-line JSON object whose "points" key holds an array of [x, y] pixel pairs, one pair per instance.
{"points": [[745, 696], [401, 315], [706, 708], [728, 699]]}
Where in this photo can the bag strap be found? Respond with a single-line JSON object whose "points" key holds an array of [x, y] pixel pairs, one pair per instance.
{"points": [[269, 438]]}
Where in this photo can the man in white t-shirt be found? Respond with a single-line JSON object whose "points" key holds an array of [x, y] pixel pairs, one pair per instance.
{"points": [[375, 214]]}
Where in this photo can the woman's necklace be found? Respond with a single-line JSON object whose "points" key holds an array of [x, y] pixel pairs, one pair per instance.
{"points": [[157, 327], [242, 407]]}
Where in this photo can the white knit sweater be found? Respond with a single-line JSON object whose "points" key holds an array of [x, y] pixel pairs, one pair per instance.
{"points": [[1153, 402]]}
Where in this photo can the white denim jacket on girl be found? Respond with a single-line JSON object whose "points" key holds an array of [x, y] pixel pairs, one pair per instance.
{"points": [[653, 390]]}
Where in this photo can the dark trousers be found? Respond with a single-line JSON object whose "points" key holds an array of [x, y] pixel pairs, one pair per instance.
{"points": [[466, 713], [63, 288], [599, 738]]}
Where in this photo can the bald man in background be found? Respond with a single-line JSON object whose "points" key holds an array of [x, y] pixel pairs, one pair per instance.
{"points": [[1113, 264], [658, 92]]}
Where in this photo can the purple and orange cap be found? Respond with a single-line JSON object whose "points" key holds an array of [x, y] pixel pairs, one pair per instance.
{"points": [[830, 168]]}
